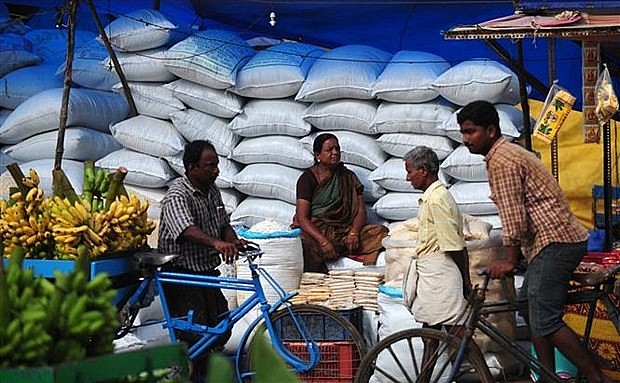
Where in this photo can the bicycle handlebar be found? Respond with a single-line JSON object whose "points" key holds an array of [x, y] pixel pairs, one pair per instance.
{"points": [[250, 252]]}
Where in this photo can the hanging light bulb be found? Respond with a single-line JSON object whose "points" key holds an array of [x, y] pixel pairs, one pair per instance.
{"points": [[272, 19]]}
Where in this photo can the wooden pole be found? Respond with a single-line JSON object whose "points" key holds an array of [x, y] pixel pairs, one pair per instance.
{"points": [[60, 142], [117, 66]]}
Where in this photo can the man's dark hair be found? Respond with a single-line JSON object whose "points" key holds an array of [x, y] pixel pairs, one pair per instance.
{"points": [[320, 140], [193, 151], [481, 113]]}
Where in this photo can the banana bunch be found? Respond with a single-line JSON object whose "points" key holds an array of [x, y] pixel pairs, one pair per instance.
{"points": [[71, 226], [25, 221], [84, 315], [46, 323], [24, 339], [129, 224]]}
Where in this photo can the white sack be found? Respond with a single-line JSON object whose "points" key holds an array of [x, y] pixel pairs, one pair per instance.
{"points": [[268, 181], [149, 135], [473, 198], [347, 71], [79, 144], [463, 165], [372, 190], [478, 79], [422, 118], [151, 99], [142, 169], [146, 65], [217, 102], [395, 206], [276, 72], [342, 114], [408, 77], [398, 144], [211, 57], [40, 113], [196, 125], [139, 30], [267, 117], [253, 210], [283, 150]]}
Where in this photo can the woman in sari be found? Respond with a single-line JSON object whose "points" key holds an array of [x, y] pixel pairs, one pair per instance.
{"points": [[331, 212]]}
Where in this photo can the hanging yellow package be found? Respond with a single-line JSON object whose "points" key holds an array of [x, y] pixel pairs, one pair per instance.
{"points": [[556, 109]]}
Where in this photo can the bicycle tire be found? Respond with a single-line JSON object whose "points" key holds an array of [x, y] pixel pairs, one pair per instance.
{"points": [[387, 360], [339, 357]]}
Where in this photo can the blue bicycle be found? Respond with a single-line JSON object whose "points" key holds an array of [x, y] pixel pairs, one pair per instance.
{"points": [[297, 332]]}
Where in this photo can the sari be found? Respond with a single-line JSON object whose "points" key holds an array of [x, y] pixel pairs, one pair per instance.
{"points": [[333, 208]]}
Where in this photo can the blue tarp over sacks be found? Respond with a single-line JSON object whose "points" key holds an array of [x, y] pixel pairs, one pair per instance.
{"points": [[387, 25]]}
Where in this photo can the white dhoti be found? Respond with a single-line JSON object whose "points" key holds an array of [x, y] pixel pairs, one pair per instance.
{"points": [[433, 290]]}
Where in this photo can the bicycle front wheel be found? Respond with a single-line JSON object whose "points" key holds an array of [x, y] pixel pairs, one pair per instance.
{"points": [[399, 358], [341, 347]]}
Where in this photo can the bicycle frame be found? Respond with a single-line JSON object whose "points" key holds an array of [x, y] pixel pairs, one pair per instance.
{"points": [[481, 309], [209, 335]]}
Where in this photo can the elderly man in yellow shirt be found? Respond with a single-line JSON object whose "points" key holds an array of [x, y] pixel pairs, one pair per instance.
{"points": [[437, 279]]}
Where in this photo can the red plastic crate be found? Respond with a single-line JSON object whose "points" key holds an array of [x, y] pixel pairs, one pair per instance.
{"points": [[339, 361]]}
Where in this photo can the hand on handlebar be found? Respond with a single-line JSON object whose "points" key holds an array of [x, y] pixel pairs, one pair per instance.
{"points": [[500, 268]]}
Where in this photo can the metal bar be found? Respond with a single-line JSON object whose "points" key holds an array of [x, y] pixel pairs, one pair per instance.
{"points": [[517, 67], [554, 144], [525, 105]]}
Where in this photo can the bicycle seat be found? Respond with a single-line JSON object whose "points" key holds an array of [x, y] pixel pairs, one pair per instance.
{"points": [[596, 277], [153, 257]]}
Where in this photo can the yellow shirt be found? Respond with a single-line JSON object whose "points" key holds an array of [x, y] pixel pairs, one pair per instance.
{"points": [[440, 222]]}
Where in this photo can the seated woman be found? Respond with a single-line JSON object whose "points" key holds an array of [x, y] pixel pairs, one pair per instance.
{"points": [[331, 212]]}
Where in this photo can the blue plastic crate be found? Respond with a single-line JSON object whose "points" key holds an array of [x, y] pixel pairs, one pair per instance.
{"points": [[120, 269], [320, 327]]}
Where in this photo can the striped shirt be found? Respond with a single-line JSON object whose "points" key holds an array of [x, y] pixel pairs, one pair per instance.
{"points": [[184, 206], [533, 209], [440, 222]]}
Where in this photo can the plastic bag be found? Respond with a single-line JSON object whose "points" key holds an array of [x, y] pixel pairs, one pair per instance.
{"points": [[606, 99], [558, 105]]}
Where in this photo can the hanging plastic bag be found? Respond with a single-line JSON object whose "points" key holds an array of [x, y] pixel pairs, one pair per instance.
{"points": [[606, 99], [558, 105]]}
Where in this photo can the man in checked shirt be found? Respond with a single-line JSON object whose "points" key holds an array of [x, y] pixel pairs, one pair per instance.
{"points": [[195, 225], [538, 224]]}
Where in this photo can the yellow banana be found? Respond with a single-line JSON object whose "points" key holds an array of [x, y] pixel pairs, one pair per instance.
{"points": [[28, 182], [34, 176], [17, 196], [31, 194]]}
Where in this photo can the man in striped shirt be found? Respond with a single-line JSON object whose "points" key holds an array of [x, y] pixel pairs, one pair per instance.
{"points": [[195, 225], [538, 224]]}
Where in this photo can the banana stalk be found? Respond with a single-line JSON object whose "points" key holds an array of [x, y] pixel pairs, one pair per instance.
{"points": [[115, 186], [89, 181], [62, 186], [18, 176]]}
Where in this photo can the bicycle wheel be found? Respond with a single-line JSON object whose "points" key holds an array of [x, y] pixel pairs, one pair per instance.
{"points": [[398, 358], [340, 344]]}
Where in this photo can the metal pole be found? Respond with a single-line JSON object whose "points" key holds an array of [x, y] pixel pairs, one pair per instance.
{"points": [[525, 106], [554, 143]]}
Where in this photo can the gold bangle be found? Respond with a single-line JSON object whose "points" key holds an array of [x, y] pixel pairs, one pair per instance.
{"points": [[324, 244], [353, 233]]}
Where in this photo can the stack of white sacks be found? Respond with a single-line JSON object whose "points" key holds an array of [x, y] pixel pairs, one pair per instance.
{"points": [[260, 109]]}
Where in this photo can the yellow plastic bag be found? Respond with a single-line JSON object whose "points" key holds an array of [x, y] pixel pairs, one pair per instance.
{"points": [[557, 107]]}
